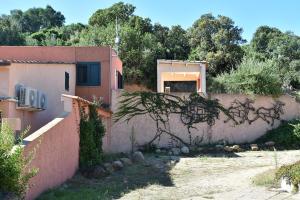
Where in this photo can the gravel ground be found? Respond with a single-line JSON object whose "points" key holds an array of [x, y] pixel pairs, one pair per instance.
{"points": [[223, 178]]}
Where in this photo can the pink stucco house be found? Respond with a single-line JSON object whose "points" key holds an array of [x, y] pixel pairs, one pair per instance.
{"points": [[44, 88], [52, 71]]}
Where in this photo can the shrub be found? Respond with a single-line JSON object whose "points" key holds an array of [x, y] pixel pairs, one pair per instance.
{"points": [[291, 171], [14, 175], [251, 77], [286, 136], [91, 134]]}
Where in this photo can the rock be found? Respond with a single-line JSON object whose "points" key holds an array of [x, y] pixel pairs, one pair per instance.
{"points": [[185, 150], [126, 161], [175, 151], [228, 149], [108, 167], [270, 144], [286, 185], [138, 157], [236, 147], [157, 151], [117, 165], [254, 147], [99, 172]]}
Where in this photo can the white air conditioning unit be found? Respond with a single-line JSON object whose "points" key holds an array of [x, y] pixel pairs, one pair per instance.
{"points": [[28, 97], [42, 101], [33, 98], [22, 97]]}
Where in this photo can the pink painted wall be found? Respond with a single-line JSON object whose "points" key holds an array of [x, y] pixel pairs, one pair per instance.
{"points": [[118, 140], [71, 54], [4, 74], [116, 66], [57, 152], [4, 105], [48, 78]]}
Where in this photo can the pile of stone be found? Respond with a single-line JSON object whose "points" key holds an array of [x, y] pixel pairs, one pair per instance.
{"points": [[233, 148], [252, 147], [179, 151], [108, 168]]}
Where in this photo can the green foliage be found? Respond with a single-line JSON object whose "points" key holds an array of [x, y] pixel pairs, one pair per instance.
{"points": [[251, 77], [10, 32], [291, 171], [282, 48], [103, 17], [91, 133], [286, 136], [216, 40], [14, 174], [34, 19]]}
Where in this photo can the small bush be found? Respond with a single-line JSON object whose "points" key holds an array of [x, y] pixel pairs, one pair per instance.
{"points": [[91, 134], [286, 136], [291, 171], [14, 175], [251, 77]]}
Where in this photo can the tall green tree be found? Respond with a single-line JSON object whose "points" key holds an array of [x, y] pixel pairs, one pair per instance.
{"points": [[282, 48], [216, 40], [35, 19], [103, 17], [177, 44], [10, 32]]}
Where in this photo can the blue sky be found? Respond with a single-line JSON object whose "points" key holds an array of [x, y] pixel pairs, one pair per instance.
{"points": [[248, 14]]}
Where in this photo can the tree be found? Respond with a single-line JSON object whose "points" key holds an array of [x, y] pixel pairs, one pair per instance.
{"points": [[282, 48], [142, 24], [103, 17], [177, 44], [262, 37], [36, 18], [216, 40], [9, 32]]}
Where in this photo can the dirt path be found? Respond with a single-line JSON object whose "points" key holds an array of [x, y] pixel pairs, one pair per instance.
{"points": [[219, 178]]}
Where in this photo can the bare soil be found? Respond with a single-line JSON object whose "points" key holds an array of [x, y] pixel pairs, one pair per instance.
{"points": [[210, 176], [206, 177]]}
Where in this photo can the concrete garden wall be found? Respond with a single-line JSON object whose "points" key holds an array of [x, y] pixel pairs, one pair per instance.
{"points": [[56, 147], [117, 138]]}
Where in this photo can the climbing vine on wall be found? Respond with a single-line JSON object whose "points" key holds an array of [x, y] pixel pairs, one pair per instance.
{"points": [[245, 112], [159, 106], [192, 110]]}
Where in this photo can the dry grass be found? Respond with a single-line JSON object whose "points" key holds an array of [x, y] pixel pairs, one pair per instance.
{"points": [[266, 179]]}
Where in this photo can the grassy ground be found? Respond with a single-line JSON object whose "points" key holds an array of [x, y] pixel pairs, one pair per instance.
{"points": [[219, 176], [113, 186]]}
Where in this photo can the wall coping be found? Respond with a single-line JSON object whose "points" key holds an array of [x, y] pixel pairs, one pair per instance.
{"points": [[45, 128]]}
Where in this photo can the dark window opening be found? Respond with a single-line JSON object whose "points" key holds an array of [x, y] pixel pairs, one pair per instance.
{"points": [[181, 86], [88, 74], [120, 80], [67, 81]]}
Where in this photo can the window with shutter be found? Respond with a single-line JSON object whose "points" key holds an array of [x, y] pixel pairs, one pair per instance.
{"points": [[88, 74], [67, 81]]}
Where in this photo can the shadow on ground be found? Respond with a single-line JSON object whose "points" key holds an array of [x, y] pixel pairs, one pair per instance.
{"points": [[155, 171]]}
